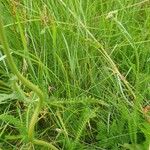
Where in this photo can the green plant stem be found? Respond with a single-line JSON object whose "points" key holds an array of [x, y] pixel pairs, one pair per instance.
{"points": [[29, 84], [26, 82]]}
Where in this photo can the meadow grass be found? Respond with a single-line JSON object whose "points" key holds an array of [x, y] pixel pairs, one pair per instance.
{"points": [[74, 74]]}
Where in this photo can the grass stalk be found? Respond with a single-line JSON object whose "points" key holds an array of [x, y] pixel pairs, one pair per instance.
{"points": [[26, 82]]}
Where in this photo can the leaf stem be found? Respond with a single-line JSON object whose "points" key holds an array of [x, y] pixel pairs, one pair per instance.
{"points": [[26, 82]]}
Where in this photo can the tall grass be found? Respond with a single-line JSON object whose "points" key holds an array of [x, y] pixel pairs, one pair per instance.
{"points": [[91, 61]]}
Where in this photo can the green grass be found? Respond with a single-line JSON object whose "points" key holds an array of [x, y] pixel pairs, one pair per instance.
{"points": [[89, 60]]}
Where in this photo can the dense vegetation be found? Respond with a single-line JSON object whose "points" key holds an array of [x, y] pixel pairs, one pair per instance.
{"points": [[75, 74]]}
